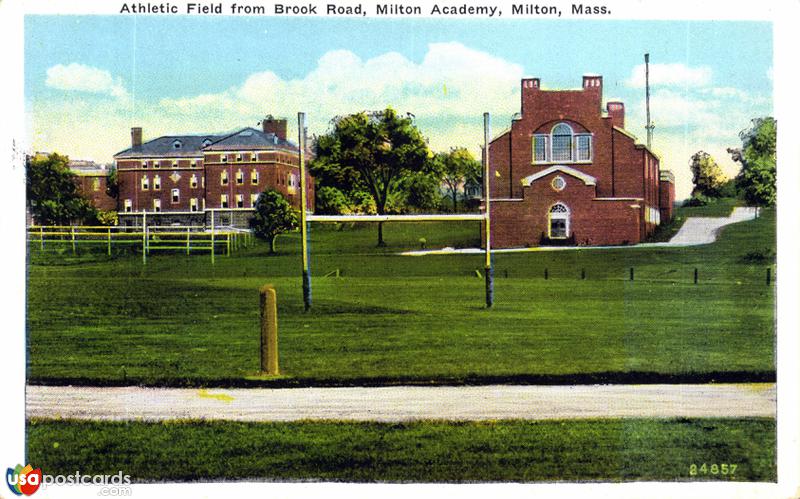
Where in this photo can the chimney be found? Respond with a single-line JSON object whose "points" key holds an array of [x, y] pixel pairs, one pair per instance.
{"points": [[136, 137], [616, 111], [276, 126], [530, 87], [593, 82]]}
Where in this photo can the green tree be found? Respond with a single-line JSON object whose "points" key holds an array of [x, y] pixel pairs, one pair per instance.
{"points": [[273, 216], [756, 179], [53, 195], [707, 176], [456, 168], [370, 152]]}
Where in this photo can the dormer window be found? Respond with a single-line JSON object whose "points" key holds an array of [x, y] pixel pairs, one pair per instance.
{"points": [[562, 145], [177, 144], [206, 142]]}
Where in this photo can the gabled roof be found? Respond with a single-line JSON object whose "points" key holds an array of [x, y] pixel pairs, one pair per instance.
{"points": [[250, 138], [189, 146], [587, 179]]}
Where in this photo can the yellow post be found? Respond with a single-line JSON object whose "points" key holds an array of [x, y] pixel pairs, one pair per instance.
{"points": [[144, 237], [212, 237], [109, 240], [488, 263], [269, 330], [187, 239], [301, 141]]}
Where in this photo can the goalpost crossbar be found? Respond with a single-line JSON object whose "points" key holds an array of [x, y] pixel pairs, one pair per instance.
{"points": [[397, 218]]}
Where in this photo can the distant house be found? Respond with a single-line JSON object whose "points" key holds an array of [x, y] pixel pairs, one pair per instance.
{"points": [[184, 179], [92, 180], [567, 172]]}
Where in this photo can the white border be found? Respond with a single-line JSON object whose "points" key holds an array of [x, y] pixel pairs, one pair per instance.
{"points": [[787, 80]]}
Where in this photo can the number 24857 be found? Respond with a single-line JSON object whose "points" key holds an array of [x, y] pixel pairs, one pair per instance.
{"points": [[712, 469]]}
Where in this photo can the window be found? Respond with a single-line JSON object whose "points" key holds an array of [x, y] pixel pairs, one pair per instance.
{"points": [[194, 164], [156, 183], [224, 158], [145, 183], [239, 201], [156, 164], [540, 147], [562, 142], [254, 177], [558, 183], [583, 147], [239, 177], [562, 145], [254, 157], [239, 157], [144, 164], [223, 177], [206, 142], [127, 206], [558, 221], [176, 144], [253, 199], [96, 184], [223, 201], [193, 182], [176, 196], [156, 205], [193, 204], [175, 164]]}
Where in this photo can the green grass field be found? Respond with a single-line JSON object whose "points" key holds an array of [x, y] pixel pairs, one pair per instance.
{"points": [[520, 451], [391, 319]]}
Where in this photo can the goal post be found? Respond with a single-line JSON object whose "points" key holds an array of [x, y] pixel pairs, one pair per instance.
{"points": [[306, 217]]}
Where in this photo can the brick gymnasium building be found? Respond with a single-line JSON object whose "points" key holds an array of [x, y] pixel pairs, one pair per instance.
{"points": [[568, 173], [183, 179]]}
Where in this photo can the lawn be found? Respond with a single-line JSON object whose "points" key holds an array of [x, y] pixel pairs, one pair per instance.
{"points": [[395, 319], [429, 451]]}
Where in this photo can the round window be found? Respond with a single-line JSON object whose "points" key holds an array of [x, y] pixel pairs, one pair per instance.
{"points": [[558, 183]]}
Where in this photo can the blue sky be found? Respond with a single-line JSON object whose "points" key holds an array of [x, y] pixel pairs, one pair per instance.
{"points": [[88, 79]]}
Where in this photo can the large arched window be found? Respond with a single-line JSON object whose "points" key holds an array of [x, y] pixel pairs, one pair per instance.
{"points": [[562, 142], [558, 221], [562, 145]]}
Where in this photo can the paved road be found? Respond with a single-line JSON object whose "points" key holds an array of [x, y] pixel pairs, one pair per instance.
{"points": [[404, 403], [694, 231]]}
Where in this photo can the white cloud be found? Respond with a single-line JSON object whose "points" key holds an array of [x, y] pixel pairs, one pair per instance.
{"points": [[675, 74], [81, 78], [453, 84]]}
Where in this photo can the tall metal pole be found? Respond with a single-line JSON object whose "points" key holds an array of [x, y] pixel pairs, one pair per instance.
{"points": [[304, 228], [649, 125], [489, 271]]}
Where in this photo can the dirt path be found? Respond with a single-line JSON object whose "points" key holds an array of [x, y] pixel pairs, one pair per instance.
{"points": [[404, 403]]}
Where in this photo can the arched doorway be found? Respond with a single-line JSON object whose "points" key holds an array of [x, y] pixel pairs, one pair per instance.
{"points": [[558, 222]]}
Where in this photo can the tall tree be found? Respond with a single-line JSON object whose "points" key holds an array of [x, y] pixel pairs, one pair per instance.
{"points": [[707, 176], [456, 168], [273, 216], [53, 194], [370, 152], [756, 179]]}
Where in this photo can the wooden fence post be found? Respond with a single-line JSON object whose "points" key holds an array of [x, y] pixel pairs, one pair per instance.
{"points": [[269, 330]]}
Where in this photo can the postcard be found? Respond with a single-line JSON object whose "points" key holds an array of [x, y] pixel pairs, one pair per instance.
{"points": [[418, 248]]}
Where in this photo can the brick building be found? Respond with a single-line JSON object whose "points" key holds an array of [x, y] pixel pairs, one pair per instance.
{"points": [[183, 179], [92, 181], [567, 172]]}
